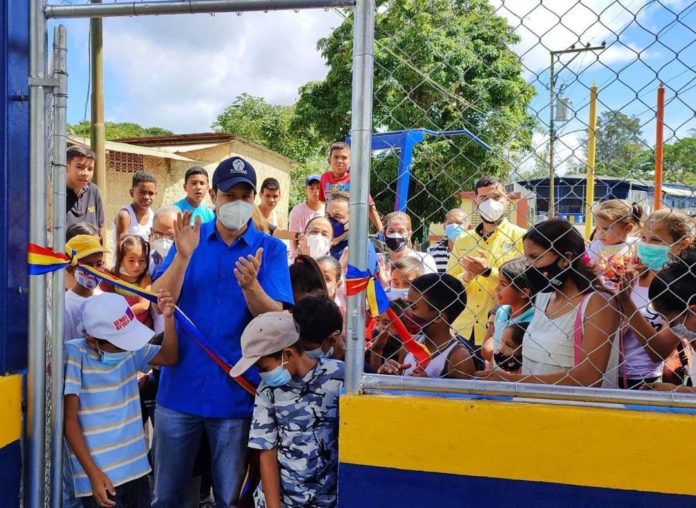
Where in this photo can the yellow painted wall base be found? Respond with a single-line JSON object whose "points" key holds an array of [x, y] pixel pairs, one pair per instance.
{"points": [[10, 409]]}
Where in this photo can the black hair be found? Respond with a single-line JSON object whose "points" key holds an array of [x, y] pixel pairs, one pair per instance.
{"points": [[129, 241], [672, 289], [80, 228], [515, 271], [443, 292], [80, 151], [271, 184], [195, 170], [518, 331], [297, 346], [399, 306], [143, 177], [306, 277], [486, 181], [317, 318], [560, 236]]}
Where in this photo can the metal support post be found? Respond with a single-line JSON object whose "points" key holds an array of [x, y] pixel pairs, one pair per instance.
{"points": [[552, 138], [361, 135], [36, 377], [60, 142]]}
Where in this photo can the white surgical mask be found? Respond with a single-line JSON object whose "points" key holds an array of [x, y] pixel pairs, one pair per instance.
{"points": [[491, 210], [318, 245], [235, 215], [162, 245]]}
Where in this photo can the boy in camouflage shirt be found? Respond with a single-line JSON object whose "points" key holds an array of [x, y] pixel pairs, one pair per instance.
{"points": [[295, 423]]}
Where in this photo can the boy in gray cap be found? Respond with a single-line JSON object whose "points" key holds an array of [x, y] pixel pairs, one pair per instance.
{"points": [[295, 422]]}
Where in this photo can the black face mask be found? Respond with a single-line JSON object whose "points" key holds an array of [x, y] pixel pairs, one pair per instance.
{"points": [[547, 278], [395, 244], [508, 363]]}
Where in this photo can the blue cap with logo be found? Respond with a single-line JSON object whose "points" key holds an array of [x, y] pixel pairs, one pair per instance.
{"points": [[232, 171]]}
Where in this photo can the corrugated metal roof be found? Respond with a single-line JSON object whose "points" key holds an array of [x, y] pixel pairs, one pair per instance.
{"points": [[113, 146]]}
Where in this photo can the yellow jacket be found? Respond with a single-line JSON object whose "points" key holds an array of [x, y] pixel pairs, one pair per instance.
{"points": [[503, 245]]}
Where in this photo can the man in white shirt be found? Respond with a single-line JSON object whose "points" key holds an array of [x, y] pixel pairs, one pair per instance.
{"points": [[304, 212]]}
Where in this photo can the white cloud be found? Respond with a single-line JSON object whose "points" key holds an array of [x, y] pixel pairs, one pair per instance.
{"points": [[180, 72]]}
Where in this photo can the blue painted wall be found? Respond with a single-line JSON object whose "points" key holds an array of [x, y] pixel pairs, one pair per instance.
{"points": [[14, 184]]}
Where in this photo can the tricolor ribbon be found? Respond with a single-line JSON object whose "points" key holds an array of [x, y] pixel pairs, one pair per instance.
{"points": [[358, 281], [42, 260]]}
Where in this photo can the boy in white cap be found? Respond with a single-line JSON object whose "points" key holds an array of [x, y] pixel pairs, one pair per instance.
{"points": [[103, 422], [295, 423]]}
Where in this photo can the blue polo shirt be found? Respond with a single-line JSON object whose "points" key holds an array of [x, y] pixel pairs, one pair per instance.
{"points": [[212, 298]]}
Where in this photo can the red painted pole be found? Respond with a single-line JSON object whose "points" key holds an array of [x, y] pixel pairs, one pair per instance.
{"points": [[659, 138]]}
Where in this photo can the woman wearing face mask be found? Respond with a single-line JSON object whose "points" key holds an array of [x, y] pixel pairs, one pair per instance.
{"points": [[317, 238], [573, 336], [673, 295], [397, 237], [647, 343]]}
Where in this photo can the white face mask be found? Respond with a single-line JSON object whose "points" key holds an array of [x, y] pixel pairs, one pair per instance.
{"points": [[318, 245], [235, 215], [86, 280], [491, 210], [162, 245]]}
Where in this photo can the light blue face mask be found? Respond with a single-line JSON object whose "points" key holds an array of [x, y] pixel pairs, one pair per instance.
{"points": [[394, 293], [279, 376], [653, 257], [112, 358], [318, 353], [453, 231]]}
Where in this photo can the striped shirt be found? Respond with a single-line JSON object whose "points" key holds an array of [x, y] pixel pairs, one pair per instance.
{"points": [[440, 253], [109, 413]]}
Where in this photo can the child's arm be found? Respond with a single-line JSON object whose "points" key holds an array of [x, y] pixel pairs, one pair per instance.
{"points": [[101, 484], [122, 225], [460, 364], [373, 214], [169, 351], [143, 304], [270, 477]]}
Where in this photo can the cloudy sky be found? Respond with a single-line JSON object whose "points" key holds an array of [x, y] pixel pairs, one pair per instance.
{"points": [[180, 72]]}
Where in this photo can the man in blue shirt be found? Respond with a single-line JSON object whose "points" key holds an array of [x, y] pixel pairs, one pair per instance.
{"points": [[223, 273], [196, 187]]}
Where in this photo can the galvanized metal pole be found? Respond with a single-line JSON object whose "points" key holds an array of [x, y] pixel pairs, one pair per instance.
{"points": [[187, 7], [552, 139], [60, 144], [361, 138], [97, 131], [36, 376]]}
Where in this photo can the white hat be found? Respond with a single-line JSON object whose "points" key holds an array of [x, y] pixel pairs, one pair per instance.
{"points": [[108, 316], [266, 334]]}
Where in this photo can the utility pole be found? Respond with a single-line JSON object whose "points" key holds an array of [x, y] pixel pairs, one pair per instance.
{"points": [[97, 133], [555, 55]]}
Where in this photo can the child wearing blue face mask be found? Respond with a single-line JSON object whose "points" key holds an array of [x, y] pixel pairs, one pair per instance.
{"points": [[295, 422], [321, 338], [646, 341], [103, 422]]}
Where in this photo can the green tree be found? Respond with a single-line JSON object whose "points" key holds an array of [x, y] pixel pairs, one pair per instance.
{"points": [[271, 126], [440, 65], [619, 145], [117, 130]]}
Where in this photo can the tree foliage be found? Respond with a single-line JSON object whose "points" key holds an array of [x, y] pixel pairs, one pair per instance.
{"points": [[440, 65], [117, 130], [272, 126]]}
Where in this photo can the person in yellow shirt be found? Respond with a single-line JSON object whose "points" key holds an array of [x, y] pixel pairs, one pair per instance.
{"points": [[477, 255]]}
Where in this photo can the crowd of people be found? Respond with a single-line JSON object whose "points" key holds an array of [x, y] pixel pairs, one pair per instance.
{"points": [[491, 302]]}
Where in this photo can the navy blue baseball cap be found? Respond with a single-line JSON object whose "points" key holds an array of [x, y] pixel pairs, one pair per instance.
{"points": [[232, 171], [312, 178]]}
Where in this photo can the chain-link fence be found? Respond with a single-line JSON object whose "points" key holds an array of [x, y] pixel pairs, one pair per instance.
{"points": [[487, 126]]}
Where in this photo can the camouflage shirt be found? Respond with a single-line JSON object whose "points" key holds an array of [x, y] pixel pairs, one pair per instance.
{"points": [[300, 420]]}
